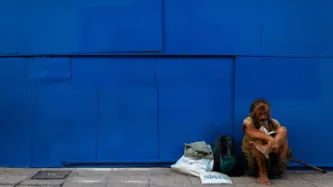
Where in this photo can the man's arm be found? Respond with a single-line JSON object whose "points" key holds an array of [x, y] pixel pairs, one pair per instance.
{"points": [[254, 133]]}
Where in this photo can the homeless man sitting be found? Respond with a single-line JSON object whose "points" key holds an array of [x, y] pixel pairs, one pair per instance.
{"points": [[267, 155]]}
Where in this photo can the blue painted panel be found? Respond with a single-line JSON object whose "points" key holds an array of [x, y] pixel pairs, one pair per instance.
{"points": [[300, 92], [127, 123], [16, 113], [292, 78], [86, 26], [12, 72], [195, 102], [113, 72], [297, 27], [50, 70], [212, 27], [66, 126], [17, 120]]}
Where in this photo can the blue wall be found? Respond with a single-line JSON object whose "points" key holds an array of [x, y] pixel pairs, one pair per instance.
{"points": [[84, 80]]}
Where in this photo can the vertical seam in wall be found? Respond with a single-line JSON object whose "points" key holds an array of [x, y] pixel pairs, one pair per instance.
{"points": [[261, 34], [25, 71], [32, 140], [233, 90], [97, 123], [157, 116], [33, 128], [163, 31], [261, 23], [70, 69]]}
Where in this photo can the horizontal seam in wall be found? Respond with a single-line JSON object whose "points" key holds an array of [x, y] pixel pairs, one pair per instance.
{"points": [[156, 56]]}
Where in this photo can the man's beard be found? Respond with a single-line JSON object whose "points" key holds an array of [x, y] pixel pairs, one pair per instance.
{"points": [[264, 123]]}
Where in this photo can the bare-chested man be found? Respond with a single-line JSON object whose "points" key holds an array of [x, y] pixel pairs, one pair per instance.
{"points": [[267, 155]]}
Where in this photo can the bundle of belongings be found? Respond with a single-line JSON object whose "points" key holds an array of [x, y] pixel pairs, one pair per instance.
{"points": [[212, 166]]}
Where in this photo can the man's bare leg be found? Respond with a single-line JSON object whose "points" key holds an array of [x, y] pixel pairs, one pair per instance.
{"points": [[284, 149], [281, 142], [280, 149], [262, 162]]}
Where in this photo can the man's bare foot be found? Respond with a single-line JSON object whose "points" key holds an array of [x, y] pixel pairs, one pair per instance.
{"points": [[263, 149], [263, 179]]}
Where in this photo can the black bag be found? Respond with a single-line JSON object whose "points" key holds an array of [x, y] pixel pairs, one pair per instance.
{"points": [[225, 160]]}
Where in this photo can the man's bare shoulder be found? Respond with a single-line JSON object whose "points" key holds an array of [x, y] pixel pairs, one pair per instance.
{"points": [[276, 122], [248, 122]]}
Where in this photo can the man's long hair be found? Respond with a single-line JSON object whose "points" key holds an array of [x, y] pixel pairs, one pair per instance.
{"points": [[253, 113], [256, 102]]}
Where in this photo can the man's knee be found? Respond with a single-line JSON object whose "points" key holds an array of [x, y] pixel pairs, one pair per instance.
{"points": [[282, 130]]}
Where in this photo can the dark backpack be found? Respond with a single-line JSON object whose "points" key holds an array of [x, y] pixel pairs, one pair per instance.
{"points": [[225, 160]]}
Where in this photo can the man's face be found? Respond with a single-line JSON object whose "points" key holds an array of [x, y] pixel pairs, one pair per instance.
{"points": [[262, 112]]}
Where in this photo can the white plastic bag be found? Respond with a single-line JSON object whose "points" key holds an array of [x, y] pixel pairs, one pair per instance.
{"points": [[193, 166], [215, 178]]}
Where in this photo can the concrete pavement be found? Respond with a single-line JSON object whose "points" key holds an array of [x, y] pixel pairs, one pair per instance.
{"points": [[148, 177]]}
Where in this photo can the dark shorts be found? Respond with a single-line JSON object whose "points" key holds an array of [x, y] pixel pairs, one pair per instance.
{"points": [[275, 166]]}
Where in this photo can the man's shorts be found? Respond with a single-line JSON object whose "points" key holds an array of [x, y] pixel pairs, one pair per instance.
{"points": [[275, 166]]}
